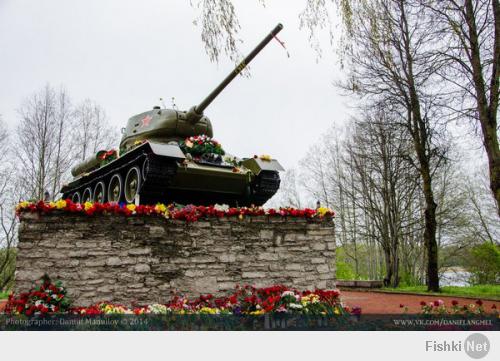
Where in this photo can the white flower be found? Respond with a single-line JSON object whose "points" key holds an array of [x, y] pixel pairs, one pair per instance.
{"points": [[157, 309], [221, 207], [38, 302], [295, 306], [287, 293]]}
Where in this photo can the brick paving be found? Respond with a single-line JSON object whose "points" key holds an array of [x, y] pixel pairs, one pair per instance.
{"points": [[388, 303]]}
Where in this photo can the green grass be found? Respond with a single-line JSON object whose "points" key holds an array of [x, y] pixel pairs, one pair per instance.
{"points": [[4, 295], [480, 291]]}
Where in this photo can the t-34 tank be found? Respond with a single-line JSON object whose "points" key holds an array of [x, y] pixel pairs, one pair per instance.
{"points": [[168, 155]]}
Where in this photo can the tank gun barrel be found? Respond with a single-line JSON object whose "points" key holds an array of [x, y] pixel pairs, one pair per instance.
{"points": [[196, 112]]}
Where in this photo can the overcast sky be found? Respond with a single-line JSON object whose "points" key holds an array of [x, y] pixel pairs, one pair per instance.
{"points": [[127, 54]]}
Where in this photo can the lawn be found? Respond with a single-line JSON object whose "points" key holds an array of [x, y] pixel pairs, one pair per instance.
{"points": [[480, 291]]}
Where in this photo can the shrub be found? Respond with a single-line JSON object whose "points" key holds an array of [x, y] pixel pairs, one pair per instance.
{"points": [[7, 271], [345, 271], [484, 263]]}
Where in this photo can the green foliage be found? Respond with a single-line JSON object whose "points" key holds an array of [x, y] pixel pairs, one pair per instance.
{"points": [[7, 273], [479, 291], [345, 271], [4, 295], [408, 280], [484, 263]]}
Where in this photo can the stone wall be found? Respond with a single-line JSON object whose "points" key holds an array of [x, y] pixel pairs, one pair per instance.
{"points": [[144, 259]]}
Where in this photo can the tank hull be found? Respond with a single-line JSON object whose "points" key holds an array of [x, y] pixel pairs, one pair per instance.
{"points": [[167, 177]]}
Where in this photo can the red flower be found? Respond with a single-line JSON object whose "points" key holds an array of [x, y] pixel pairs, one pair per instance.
{"points": [[422, 303], [479, 302], [401, 305], [494, 307], [454, 302]]}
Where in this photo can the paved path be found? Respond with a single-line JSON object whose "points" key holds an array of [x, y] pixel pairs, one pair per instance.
{"points": [[388, 303]]}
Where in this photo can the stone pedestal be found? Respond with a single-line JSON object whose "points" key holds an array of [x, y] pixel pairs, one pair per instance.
{"points": [[143, 259]]}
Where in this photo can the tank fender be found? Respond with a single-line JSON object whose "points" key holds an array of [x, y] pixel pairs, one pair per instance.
{"points": [[167, 150], [256, 165]]}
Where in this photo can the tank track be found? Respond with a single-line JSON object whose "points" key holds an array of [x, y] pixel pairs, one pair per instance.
{"points": [[157, 176], [264, 187]]}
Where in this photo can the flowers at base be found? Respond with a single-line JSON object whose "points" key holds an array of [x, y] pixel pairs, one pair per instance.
{"points": [[47, 298], [438, 307], [189, 213], [201, 144], [246, 300]]}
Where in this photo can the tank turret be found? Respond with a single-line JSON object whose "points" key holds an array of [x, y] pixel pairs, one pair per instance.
{"points": [[166, 125], [152, 167]]}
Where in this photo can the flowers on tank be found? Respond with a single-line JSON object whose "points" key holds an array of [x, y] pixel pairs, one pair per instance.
{"points": [[201, 144], [264, 157], [107, 156], [189, 213]]}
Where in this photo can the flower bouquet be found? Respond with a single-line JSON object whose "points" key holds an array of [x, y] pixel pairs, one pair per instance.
{"points": [[200, 145]]}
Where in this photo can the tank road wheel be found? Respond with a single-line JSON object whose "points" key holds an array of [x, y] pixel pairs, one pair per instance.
{"points": [[132, 184], [100, 192], [75, 198], [87, 195], [115, 188], [145, 169]]}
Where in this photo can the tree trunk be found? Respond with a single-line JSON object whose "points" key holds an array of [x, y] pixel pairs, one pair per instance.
{"points": [[487, 111]]}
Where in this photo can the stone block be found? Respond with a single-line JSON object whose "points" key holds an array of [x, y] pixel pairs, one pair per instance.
{"points": [[142, 268]]}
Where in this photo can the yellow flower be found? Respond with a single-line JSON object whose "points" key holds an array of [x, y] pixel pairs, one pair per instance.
{"points": [[258, 312], [336, 311], [160, 208], [52, 204], [87, 206], [60, 204], [323, 210], [209, 311], [240, 216], [266, 157], [23, 205], [131, 207]]}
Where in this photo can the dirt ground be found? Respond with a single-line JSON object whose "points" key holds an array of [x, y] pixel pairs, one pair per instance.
{"points": [[389, 303]]}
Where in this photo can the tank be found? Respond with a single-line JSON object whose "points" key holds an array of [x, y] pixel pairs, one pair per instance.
{"points": [[170, 156]]}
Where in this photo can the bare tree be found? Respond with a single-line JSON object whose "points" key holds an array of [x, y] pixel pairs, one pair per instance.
{"points": [[37, 142], [385, 184], [390, 63], [52, 135], [62, 119], [90, 130], [470, 50], [8, 221]]}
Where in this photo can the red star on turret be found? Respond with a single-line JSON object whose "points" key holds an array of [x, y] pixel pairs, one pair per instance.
{"points": [[146, 120]]}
